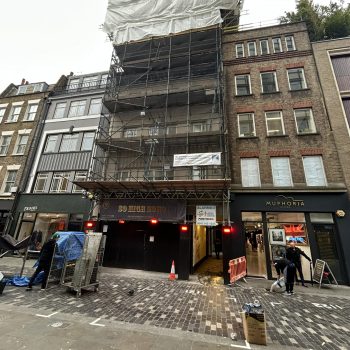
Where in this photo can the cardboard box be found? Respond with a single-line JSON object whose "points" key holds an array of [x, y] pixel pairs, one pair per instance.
{"points": [[254, 327]]}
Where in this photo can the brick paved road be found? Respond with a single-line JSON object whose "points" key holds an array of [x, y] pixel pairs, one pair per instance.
{"points": [[302, 321]]}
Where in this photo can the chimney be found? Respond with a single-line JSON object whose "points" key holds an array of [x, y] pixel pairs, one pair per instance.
{"points": [[27, 82], [23, 81]]}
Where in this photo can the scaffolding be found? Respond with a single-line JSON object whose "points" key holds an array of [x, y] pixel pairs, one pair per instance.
{"points": [[164, 96]]}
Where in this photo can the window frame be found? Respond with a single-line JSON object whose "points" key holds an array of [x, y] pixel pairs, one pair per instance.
{"points": [[275, 169], [93, 106], [77, 177], [18, 144], [12, 114], [274, 74], [292, 41], [303, 79], [312, 166], [66, 141], [279, 45], [249, 84], [77, 109], [41, 176], [29, 113], [311, 118], [5, 146], [239, 115], [245, 177], [2, 115], [6, 180], [59, 108], [60, 180], [248, 48], [84, 138], [47, 143], [269, 133], [267, 46], [236, 49], [90, 81], [130, 132]]}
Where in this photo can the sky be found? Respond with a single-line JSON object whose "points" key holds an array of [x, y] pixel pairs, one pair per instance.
{"points": [[41, 40]]}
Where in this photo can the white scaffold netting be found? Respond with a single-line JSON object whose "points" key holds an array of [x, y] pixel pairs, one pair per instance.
{"points": [[130, 20]]}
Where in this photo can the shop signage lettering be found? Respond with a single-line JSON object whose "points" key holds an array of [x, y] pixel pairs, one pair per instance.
{"points": [[141, 209], [31, 208], [285, 202]]}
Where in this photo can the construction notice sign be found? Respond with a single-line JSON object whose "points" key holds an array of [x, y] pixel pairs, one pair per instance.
{"points": [[206, 215], [193, 159]]}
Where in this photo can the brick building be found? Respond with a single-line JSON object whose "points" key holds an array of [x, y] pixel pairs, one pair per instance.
{"points": [[286, 173]]}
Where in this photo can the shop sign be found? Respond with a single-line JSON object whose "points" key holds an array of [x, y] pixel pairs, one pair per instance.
{"points": [[285, 202], [206, 215], [30, 208], [193, 159], [143, 209]]}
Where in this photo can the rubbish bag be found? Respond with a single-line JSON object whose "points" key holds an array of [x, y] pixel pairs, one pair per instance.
{"points": [[278, 286], [18, 281], [253, 308]]}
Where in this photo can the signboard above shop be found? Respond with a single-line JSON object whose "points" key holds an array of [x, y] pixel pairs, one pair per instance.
{"points": [[197, 159]]}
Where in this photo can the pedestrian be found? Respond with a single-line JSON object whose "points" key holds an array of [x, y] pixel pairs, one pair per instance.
{"points": [[289, 274], [217, 245], [44, 261], [293, 254]]}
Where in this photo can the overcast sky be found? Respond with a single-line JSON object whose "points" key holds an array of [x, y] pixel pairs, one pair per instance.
{"points": [[40, 39]]}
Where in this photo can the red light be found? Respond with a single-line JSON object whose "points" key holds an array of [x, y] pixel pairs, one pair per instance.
{"points": [[184, 228], [121, 221], [154, 221], [227, 229]]}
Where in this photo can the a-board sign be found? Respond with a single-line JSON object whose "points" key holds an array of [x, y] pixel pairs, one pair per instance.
{"points": [[318, 270]]}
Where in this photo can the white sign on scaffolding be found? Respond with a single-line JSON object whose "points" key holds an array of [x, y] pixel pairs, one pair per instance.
{"points": [[193, 159], [206, 215]]}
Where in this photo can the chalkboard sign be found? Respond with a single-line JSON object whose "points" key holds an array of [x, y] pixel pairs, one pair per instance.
{"points": [[318, 270]]}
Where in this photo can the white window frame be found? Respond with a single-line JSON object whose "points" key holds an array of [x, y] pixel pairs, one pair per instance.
{"points": [[249, 82], [251, 176], [200, 127], [239, 125], [241, 45], [89, 135], [89, 82], [8, 136], [249, 44], [12, 117], [279, 45], [73, 84], [6, 178], [280, 117], [59, 109], [275, 80], [69, 143], [292, 41], [30, 115], [54, 142], [95, 106], [79, 175], [267, 46], [2, 111], [18, 143], [313, 166], [40, 177], [304, 85], [311, 122], [281, 173], [77, 109], [60, 177]]}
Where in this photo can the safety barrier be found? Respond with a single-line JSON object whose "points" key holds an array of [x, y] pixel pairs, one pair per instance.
{"points": [[237, 269]]}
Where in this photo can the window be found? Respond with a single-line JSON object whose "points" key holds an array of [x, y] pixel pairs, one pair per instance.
{"points": [[250, 172], [199, 173], [130, 133], [243, 85], [281, 173], [90, 81], [51, 143], [22, 89], [2, 113], [239, 50], [296, 79], [13, 117], [79, 176], [264, 47], [31, 112], [40, 183], [314, 171], [4, 144], [304, 121], [276, 44], [252, 48], [171, 130], [88, 141], [60, 182], [200, 127], [59, 110], [246, 125], [95, 106], [77, 109], [153, 131], [10, 180], [104, 78], [268, 82], [124, 175], [274, 123], [21, 144], [73, 84], [290, 44], [69, 143]]}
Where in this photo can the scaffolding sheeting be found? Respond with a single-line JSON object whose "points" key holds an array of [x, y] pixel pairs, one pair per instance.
{"points": [[132, 20]]}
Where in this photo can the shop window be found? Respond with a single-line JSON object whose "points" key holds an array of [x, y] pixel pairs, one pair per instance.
{"points": [[274, 123], [50, 146], [250, 172], [76, 222], [252, 48], [59, 110], [276, 44], [69, 143], [281, 172], [40, 183], [243, 85], [314, 171], [268, 82], [60, 182], [304, 121], [296, 79], [325, 218], [246, 125], [251, 216], [264, 47], [239, 50]]}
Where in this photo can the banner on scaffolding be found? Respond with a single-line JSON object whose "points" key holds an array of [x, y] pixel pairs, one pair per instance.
{"points": [[197, 159]]}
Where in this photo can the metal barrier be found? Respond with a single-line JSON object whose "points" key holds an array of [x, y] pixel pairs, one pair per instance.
{"points": [[237, 269]]}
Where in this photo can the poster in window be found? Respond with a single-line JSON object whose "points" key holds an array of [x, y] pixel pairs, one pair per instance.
{"points": [[277, 236]]}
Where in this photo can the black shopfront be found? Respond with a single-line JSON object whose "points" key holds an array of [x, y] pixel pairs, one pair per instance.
{"points": [[318, 222]]}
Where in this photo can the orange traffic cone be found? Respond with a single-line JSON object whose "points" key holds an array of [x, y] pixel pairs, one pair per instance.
{"points": [[172, 276]]}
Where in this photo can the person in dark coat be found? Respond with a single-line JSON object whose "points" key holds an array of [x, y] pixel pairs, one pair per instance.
{"points": [[293, 254], [44, 261], [217, 244]]}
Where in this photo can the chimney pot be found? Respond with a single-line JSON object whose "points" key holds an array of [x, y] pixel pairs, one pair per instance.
{"points": [[23, 81]]}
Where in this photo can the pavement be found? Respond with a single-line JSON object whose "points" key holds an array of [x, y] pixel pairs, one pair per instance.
{"points": [[162, 313]]}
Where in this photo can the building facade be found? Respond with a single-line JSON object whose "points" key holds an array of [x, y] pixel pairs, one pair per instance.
{"points": [[51, 201], [287, 177]]}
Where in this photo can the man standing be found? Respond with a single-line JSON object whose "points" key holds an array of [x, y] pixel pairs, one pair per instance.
{"points": [[44, 261], [293, 254]]}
